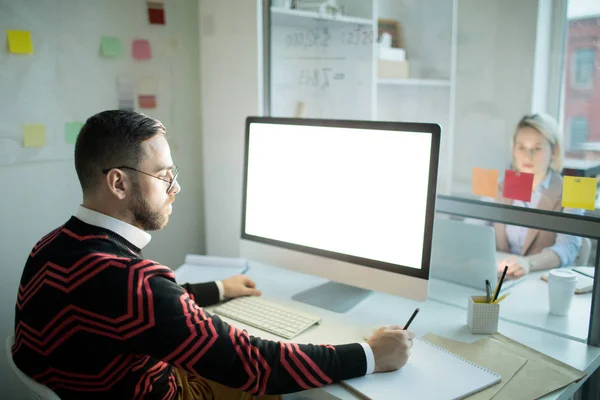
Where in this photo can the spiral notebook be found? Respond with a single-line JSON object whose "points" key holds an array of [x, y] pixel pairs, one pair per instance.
{"points": [[430, 373]]}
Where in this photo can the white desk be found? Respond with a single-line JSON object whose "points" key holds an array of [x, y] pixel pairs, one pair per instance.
{"points": [[526, 305], [381, 309]]}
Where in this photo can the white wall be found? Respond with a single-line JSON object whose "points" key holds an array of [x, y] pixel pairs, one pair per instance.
{"points": [[37, 197], [229, 77], [494, 83]]}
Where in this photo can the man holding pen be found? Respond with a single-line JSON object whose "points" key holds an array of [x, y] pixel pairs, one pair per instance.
{"points": [[95, 319]]}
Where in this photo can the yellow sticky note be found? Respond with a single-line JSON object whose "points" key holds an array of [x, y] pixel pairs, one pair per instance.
{"points": [[579, 192], [34, 135], [19, 42]]}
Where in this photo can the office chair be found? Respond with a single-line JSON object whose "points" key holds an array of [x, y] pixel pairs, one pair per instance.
{"points": [[584, 252], [38, 391]]}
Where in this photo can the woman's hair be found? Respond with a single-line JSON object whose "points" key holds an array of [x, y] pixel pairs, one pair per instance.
{"points": [[548, 127]]}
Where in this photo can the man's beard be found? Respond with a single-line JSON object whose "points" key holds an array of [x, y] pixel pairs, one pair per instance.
{"points": [[146, 218]]}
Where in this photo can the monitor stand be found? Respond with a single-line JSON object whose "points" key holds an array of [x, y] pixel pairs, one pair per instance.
{"points": [[333, 296]]}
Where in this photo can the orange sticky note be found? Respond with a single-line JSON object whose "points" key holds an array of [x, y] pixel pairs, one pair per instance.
{"points": [[34, 135], [19, 42], [579, 192], [485, 182]]}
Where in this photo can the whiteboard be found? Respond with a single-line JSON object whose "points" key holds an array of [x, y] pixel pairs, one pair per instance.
{"points": [[67, 79], [325, 65]]}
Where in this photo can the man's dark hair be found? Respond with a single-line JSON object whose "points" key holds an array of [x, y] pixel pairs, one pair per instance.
{"points": [[111, 139]]}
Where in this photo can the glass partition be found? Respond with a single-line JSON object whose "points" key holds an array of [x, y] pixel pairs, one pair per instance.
{"points": [[484, 71], [514, 85], [581, 92], [467, 252]]}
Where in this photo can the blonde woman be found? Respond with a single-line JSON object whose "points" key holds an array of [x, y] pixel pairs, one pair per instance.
{"points": [[536, 149]]}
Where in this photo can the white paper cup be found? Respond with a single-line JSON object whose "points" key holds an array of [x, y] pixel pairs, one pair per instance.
{"points": [[561, 289]]}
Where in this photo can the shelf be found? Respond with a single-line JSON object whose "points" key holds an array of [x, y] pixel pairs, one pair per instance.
{"points": [[414, 82], [284, 16]]}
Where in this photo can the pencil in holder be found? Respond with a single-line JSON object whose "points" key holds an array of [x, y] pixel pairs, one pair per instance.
{"points": [[482, 317]]}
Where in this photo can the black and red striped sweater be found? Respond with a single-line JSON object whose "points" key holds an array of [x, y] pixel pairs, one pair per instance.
{"points": [[96, 320]]}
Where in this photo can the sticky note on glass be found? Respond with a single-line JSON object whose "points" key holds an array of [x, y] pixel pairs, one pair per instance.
{"points": [[147, 101], [579, 192], [517, 185], [34, 135], [140, 49], [156, 12], [19, 42], [147, 87], [111, 47], [485, 182], [72, 131]]}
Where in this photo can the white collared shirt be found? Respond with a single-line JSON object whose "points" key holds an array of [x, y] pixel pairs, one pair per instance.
{"points": [[134, 235]]}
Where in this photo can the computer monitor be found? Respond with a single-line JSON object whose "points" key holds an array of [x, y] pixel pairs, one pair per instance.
{"points": [[350, 201]]}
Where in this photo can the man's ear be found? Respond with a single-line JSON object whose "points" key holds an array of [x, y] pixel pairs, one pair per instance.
{"points": [[118, 183]]}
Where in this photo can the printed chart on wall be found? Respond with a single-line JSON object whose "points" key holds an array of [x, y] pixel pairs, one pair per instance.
{"points": [[320, 68], [53, 77]]}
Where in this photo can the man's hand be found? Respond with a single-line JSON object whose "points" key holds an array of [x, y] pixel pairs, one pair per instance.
{"points": [[391, 347], [517, 267], [239, 285]]}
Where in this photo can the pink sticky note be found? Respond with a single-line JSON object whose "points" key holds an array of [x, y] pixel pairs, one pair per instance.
{"points": [[140, 49], [517, 185]]}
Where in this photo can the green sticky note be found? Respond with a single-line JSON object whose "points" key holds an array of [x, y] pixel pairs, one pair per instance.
{"points": [[110, 46], [71, 131], [34, 135]]}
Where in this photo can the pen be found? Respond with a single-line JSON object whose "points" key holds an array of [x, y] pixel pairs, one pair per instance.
{"points": [[500, 298], [499, 286], [246, 268], [488, 291], [582, 273], [414, 314]]}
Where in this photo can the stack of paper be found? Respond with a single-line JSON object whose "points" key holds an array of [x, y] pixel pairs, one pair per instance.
{"points": [[211, 268]]}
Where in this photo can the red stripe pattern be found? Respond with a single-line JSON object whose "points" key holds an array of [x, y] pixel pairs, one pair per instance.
{"points": [[95, 320]]}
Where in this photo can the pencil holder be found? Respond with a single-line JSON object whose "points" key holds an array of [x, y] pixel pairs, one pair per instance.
{"points": [[482, 317]]}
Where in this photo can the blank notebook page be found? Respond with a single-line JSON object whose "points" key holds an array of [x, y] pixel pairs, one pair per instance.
{"points": [[430, 373]]}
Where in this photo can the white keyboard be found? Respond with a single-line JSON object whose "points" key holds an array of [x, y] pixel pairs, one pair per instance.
{"points": [[267, 315]]}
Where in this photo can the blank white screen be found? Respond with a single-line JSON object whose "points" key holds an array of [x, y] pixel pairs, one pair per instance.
{"points": [[352, 191]]}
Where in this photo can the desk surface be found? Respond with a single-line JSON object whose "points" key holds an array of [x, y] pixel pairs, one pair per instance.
{"points": [[526, 305], [382, 309]]}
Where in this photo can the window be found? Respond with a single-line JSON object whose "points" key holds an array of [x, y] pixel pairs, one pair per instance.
{"points": [[579, 132], [582, 76], [580, 95]]}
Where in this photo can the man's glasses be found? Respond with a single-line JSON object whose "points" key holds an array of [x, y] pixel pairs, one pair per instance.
{"points": [[171, 182]]}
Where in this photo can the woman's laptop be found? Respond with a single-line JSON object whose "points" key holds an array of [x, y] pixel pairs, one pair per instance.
{"points": [[465, 253]]}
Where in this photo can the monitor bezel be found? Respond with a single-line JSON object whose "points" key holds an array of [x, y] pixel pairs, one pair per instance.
{"points": [[428, 128]]}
